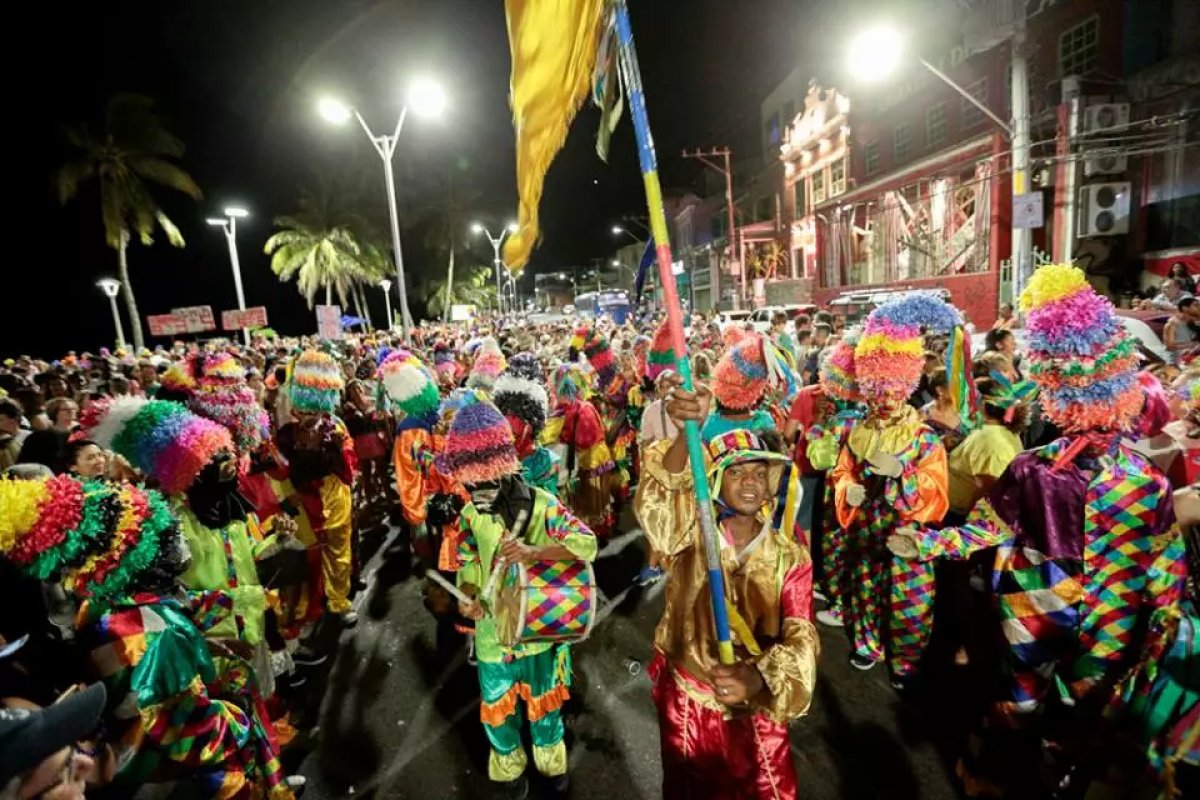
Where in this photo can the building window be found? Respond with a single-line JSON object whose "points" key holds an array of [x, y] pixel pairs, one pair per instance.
{"points": [[902, 142], [1079, 48], [871, 158], [798, 195], [763, 209], [935, 125], [837, 177], [818, 187], [970, 114]]}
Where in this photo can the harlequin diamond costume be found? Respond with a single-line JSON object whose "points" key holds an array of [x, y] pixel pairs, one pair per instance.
{"points": [[891, 473], [592, 472], [710, 750], [174, 710], [1087, 549], [321, 466], [535, 674]]}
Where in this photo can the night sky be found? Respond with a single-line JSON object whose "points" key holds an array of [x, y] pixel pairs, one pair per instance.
{"points": [[238, 81]]}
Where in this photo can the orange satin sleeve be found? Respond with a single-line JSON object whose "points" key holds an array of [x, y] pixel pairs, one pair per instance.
{"points": [[844, 475], [933, 488], [410, 482]]}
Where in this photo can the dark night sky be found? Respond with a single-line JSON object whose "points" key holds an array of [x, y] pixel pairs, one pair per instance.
{"points": [[238, 80]]}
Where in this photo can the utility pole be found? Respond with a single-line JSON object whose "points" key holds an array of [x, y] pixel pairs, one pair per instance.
{"points": [[703, 157], [1022, 238]]}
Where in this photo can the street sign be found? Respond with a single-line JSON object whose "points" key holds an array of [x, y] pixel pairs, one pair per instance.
{"points": [[165, 325], [1028, 211], [236, 319], [196, 319], [329, 322]]}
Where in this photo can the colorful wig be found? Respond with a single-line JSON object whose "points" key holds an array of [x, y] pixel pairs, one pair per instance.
{"points": [[889, 356], [523, 399], [480, 446], [315, 383], [526, 365], [571, 382], [836, 370], [163, 439], [745, 372], [1079, 353], [221, 395], [410, 386], [488, 366]]}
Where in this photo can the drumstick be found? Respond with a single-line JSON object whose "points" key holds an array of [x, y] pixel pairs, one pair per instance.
{"points": [[517, 531], [457, 593]]}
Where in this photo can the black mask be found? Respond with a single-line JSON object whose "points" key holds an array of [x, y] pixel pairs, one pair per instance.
{"points": [[214, 497]]}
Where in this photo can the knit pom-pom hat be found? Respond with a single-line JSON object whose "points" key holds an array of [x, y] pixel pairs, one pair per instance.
{"points": [[523, 399], [836, 371], [410, 386], [98, 538], [889, 356], [221, 395], [162, 439], [1079, 354], [315, 383], [480, 446], [661, 356]]}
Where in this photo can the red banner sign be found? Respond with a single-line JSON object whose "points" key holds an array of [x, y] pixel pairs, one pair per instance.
{"points": [[196, 319], [235, 319], [329, 322], [166, 325]]}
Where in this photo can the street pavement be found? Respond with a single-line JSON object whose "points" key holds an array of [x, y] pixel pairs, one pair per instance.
{"points": [[399, 720]]}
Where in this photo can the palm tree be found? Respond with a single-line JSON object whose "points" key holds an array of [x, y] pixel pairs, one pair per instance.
{"points": [[124, 153], [473, 286], [327, 244]]}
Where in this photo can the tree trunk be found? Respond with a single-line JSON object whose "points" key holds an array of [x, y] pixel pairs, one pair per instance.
{"points": [[328, 294], [135, 320], [361, 293], [449, 287]]}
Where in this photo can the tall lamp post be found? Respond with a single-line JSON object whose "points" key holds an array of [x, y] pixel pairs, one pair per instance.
{"points": [[496, 242], [426, 99], [386, 285], [228, 224], [876, 53], [111, 288]]}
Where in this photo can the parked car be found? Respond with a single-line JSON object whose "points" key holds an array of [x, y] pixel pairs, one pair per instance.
{"points": [[760, 320], [733, 318]]}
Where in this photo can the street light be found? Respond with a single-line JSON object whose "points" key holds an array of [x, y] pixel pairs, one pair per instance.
{"points": [[111, 288], [497, 264], [877, 52], [426, 99], [386, 285], [228, 224], [617, 230]]}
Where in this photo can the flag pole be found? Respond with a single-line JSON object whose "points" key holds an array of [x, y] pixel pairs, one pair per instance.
{"points": [[658, 228]]}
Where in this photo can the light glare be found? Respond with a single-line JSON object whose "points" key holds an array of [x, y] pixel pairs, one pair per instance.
{"points": [[426, 98], [333, 110], [875, 53], [236, 211]]}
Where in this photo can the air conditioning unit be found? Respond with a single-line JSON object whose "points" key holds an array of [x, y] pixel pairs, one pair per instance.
{"points": [[1105, 116], [1104, 209], [1105, 165]]}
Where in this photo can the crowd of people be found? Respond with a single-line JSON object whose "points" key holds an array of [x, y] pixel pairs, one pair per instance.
{"points": [[178, 525]]}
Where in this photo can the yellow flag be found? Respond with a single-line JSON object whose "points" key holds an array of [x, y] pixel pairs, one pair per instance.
{"points": [[553, 45]]}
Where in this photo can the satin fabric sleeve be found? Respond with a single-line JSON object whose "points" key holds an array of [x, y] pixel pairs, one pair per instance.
{"points": [[410, 482], [566, 529], [665, 503], [589, 428], [470, 569], [844, 475], [984, 528], [924, 489], [789, 668]]}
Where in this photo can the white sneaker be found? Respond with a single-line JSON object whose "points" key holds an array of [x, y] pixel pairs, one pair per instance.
{"points": [[817, 593], [296, 782], [831, 618]]}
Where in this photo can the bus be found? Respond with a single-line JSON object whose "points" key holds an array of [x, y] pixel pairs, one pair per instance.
{"points": [[613, 303]]}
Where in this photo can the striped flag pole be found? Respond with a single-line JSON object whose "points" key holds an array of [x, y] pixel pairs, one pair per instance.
{"points": [[658, 228]]}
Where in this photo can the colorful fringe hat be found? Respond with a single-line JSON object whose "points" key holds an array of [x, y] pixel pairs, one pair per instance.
{"points": [[410, 386], [836, 371], [661, 356], [162, 439], [572, 382], [315, 383], [742, 377], [488, 366], [889, 356], [221, 395], [526, 365], [100, 539], [178, 382], [1079, 354], [594, 346], [480, 446], [444, 362], [524, 399]]}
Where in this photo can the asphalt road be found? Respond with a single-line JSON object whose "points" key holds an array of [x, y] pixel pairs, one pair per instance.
{"points": [[398, 719]]}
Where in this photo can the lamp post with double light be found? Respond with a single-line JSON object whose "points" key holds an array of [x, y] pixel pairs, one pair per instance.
{"points": [[426, 99], [386, 286], [228, 224], [498, 265], [111, 288]]}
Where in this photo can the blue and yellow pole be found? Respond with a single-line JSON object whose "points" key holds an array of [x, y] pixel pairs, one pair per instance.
{"points": [[662, 240]]}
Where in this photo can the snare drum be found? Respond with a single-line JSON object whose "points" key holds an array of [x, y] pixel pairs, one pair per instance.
{"points": [[546, 601]]}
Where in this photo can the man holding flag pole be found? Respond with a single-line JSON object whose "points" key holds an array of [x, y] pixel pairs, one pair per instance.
{"points": [[723, 700]]}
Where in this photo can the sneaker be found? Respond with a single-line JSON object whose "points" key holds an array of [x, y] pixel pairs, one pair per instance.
{"points": [[862, 662], [296, 783], [515, 790], [558, 784], [817, 593], [309, 658], [828, 616], [349, 619]]}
